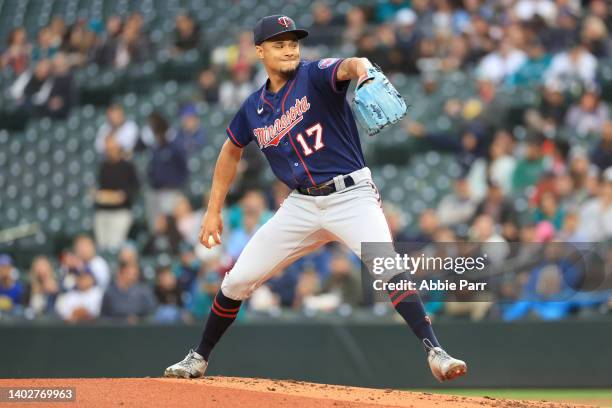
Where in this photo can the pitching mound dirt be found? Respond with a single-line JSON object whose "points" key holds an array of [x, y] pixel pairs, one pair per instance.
{"points": [[230, 392]]}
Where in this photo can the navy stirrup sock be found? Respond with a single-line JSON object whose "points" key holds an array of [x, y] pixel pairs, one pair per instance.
{"points": [[222, 314], [409, 305]]}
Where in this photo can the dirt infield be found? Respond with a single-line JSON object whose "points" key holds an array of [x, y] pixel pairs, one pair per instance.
{"points": [[231, 392]]}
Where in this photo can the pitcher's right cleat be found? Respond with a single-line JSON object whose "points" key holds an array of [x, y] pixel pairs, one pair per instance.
{"points": [[443, 367], [192, 366]]}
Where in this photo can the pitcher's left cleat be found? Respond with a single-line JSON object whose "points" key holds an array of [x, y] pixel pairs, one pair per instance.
{"points": [[192, 366], [444, 367]]}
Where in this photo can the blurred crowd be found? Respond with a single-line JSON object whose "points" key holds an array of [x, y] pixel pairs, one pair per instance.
{"points": [[518, 191]]}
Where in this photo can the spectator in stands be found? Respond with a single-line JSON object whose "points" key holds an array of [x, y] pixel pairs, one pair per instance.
{"points": [[325, 28], [595, 215], [63, 92], [58, 32], [549, 116], [457, 207], [117, 188], [503, 162], [531, 72], [81, 303], [168, 296], [564, 189], [488, 110], [209, 88], [252, 212], [253, 201], [549, 288], [133, 45], [601, 155], [502, 63], [343, 281], [107, 47], [205, 287], [569, 231], [407, 38], [356, 25], [186, 34], [428, 226], [574, 66], [236, 56], [32, 88], [495, 205], [167, 170], [264, 299], [187, 267], [585, 177], [588, 116], [42, 290], [308, 286], [46, 45], [11, 290], [530, 167], [599, 8], [126, 298], [594, 35], [86, 258], [128, 254], [369, 46], [484, 231], [187, 221], [498, 166], [58, 29], [80, 42], [425, 13], [191, 135], [233, 92], [124, 130], [386, 10], [549, 210], [392, 58], [165, 238], [17, 54]]}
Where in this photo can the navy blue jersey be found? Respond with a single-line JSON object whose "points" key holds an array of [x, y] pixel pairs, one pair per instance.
{"points": [[306, 130]]}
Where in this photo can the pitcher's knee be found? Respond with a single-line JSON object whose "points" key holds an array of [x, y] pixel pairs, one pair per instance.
{"points": [[237, 289]]}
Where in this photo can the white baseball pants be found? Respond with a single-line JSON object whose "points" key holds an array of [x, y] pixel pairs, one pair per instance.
{"points": [[304, 223]]}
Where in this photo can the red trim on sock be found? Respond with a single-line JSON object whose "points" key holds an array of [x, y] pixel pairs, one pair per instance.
{"points": [[221, 314], [223, 309], [393, 293], [403, 296]]}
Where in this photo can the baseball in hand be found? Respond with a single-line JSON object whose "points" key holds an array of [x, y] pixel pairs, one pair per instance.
{"points": [[211, 241]]}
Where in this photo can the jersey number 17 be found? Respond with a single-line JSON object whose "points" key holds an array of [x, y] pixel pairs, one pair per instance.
{"points": [[315, 130]]}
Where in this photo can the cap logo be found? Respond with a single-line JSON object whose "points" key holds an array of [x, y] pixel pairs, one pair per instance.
{"points": [[285, 21]]}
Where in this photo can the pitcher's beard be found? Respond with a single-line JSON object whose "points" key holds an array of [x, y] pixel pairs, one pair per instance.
{"points": [[288, 73]]}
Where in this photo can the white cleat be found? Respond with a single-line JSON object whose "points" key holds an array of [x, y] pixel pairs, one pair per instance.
{"points": [[192, 366], [444, 367]]}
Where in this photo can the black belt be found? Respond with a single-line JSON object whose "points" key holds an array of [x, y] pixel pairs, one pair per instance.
{"points": [[326, 188]]}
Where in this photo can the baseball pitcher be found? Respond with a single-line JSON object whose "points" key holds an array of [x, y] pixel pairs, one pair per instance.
{"points": [[303, 124]]}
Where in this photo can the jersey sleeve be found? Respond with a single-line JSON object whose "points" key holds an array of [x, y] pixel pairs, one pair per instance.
{"points": [[238, 131], [322, 73]]}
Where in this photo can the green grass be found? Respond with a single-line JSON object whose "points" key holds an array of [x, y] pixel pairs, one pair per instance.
{"points": [[597, 397]]}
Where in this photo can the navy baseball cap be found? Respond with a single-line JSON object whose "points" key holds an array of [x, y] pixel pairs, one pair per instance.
{"points": [[270, 26]]}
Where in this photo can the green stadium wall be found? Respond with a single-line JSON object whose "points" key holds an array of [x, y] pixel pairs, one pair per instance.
{"points": [[385, 355]]}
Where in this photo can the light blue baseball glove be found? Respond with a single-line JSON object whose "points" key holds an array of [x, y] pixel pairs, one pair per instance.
{"points": [[377, 103]]}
